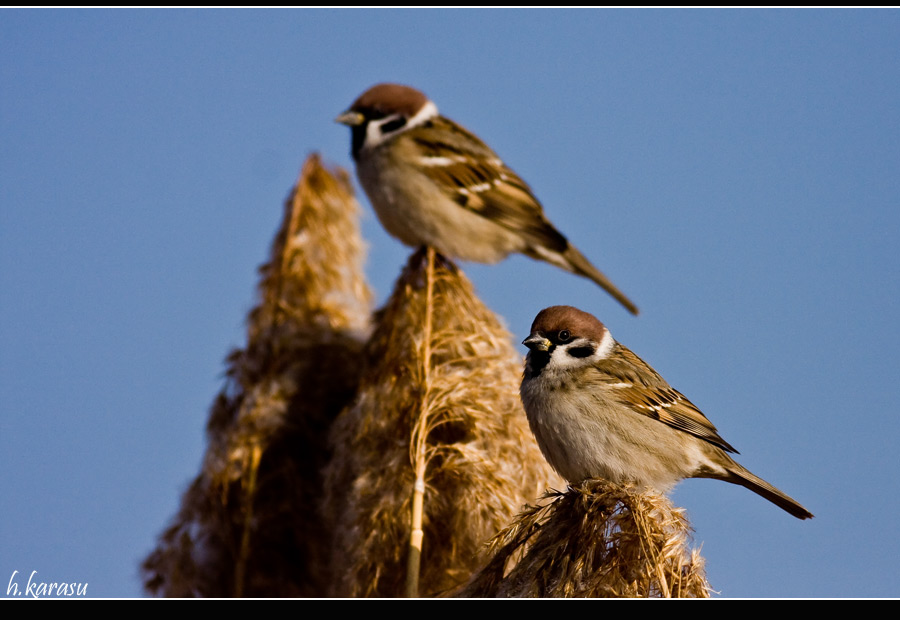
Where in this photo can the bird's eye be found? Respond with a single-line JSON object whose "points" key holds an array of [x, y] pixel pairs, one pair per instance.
{"points": [[563, 335]]}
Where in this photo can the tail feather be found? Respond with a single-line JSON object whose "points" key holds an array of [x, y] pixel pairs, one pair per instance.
{"points": [[739, 475], [574, 261]]}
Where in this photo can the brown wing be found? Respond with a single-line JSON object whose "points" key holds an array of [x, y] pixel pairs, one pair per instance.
{"points": [[476, 179], [640, 388]]}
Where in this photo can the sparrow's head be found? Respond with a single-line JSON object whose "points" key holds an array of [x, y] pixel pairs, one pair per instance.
{"points": [[564, 337], [384, 111]]}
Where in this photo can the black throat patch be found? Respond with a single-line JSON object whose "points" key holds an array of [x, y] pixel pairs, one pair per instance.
{"points": [[358, 138], [538, 360]]}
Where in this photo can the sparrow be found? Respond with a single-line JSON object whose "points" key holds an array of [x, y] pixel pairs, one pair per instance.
{"points": [[432, 182], [598, 410]]}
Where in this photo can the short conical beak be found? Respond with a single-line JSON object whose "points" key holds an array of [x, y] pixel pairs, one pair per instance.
{"points": [[350, 118], [537, 343]]}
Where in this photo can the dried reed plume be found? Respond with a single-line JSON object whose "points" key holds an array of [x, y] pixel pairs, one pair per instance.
{"points": [[597, 539], [249, 524], [453, 384]]}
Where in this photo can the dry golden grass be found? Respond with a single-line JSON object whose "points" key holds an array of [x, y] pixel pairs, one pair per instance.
{"points": [[482, 465], [597, 539], [248, 523]]}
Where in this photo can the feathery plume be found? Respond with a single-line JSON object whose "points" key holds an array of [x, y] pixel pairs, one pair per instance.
{"points": [[248, 524], [597, 539], [457, 392]]}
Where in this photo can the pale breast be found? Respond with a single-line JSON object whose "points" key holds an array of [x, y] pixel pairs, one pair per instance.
{"points": [[584, 435]]}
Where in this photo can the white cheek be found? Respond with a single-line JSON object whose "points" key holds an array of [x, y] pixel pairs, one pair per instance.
{"points": [[374, 137], [561, 360]]}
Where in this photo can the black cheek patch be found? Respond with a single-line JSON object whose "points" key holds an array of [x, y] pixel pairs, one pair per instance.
{"points": [[393, 125], [585, 351]]}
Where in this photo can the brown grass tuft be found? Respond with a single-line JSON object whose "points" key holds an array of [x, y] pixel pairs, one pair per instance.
{"points": [[482, 463], [597, 539], [248, 524]]}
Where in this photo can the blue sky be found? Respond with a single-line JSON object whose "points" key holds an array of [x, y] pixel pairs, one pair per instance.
{"points": [[735, 172]]}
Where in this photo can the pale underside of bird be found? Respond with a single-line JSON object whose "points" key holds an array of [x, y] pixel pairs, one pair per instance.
{"points": [[432, 182], [598, 410]]}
